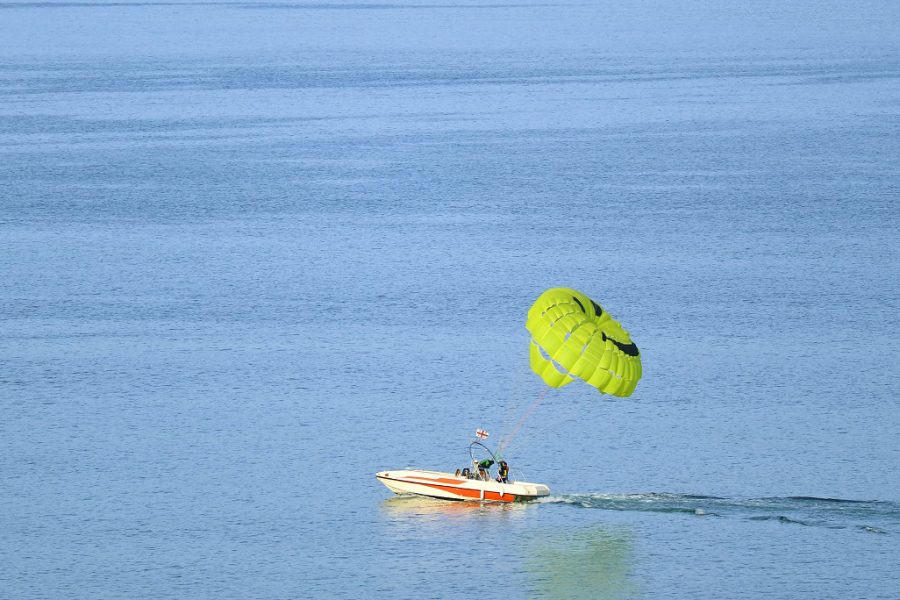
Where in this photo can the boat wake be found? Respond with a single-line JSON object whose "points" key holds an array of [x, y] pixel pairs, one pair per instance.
{"points": [[871, 516]]}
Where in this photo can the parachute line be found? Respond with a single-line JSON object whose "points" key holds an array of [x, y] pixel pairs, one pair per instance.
{"points": [[505, 441]]}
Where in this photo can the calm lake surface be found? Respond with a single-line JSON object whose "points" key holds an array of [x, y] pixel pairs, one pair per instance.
{"points": [[254, 252]]}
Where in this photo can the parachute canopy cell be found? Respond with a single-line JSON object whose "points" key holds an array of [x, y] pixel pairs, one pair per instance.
{"points": [[572, 337]]}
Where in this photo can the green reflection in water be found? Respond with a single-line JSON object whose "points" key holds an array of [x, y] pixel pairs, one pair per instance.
{"points": [[589, 563]]}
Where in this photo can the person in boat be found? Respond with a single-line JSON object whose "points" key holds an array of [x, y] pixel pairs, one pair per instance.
{"points": [[483, 466], [503, 472]]}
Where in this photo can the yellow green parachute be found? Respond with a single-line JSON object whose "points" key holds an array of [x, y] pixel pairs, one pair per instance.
{"points": [[573, 337]]}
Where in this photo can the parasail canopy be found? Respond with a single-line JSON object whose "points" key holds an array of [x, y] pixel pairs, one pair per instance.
{"points": [[572, 337]]}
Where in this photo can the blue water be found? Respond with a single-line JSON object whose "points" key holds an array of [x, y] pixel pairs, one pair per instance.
{"points": [[254, 252]]}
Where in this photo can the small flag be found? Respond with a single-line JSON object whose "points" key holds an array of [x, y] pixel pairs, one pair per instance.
{"points": [[481, 433]]}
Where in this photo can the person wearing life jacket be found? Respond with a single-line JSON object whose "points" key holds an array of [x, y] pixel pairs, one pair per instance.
{"points": [[503, 472]]}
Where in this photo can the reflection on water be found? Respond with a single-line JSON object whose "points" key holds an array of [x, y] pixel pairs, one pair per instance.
{"points": [[589, 563], [415, 506]]}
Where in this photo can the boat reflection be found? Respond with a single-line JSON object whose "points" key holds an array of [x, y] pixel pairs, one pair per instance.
{"points": [[412, 506]]}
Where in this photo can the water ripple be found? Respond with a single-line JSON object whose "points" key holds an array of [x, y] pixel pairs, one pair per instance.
{"points": [[872, 516]]}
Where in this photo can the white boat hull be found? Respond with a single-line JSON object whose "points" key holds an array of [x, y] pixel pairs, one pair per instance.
{"points": [[436, 484]]}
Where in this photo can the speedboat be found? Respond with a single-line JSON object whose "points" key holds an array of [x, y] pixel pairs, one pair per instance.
{"points": [[474, 484]]}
